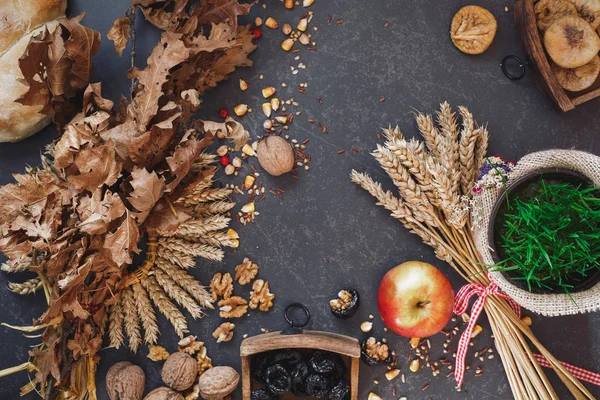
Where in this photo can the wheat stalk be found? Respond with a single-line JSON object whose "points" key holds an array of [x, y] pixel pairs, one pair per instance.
{"points": [[20, 265], [468, 139], [187, 282], [453, 242], [115, 325], [165, 306], [219, 207], [30, 286], [185, 261], [146, 314], [429, 131], [176, 293], [177, 245], [213, 238], [199, 226], [131, 321], [212, 194]]}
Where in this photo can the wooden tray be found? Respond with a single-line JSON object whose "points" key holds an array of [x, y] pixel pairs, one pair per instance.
{"points": [[347, 347], [532, 44]]}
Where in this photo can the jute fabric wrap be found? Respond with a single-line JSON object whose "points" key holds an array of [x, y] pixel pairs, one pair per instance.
{"points": [[545, 304]]}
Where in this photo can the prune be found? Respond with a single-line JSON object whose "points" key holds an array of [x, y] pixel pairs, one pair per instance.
{"points": [[278, 379], [259, 365], [262, 394], [346, 303], [317, 386], [291, 357], [339, 371], [340, 390], [374, 352], [321, 362]]}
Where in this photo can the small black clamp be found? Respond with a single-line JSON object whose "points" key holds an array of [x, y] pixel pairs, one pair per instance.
{"points": [[295, 326], [508, 62]]}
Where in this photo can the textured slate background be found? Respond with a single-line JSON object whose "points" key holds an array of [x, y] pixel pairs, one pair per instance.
{"points": [[327, 233]]}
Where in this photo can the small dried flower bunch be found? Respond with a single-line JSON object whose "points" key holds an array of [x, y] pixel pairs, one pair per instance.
{"points": [[493, 174]]}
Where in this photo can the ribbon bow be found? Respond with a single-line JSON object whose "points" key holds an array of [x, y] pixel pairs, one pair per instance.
{"points": [[461, 304]]}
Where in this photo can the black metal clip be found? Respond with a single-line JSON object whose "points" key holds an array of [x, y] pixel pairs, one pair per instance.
{"points": [[295, 327], [508, 62]]}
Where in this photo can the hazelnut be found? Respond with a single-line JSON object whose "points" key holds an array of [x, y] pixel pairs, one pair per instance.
{"points": [[163, 393], [180, 371], [218, 382], [125, 381], [275, 155]]}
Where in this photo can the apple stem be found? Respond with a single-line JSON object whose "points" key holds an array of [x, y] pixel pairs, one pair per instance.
{"points": [[423, 303]]}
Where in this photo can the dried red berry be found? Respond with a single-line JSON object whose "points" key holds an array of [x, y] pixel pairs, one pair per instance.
{"points": [[256, 32], [223, 113], [224, 160]]}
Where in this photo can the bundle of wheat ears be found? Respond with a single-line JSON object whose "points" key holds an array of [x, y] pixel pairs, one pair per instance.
{"points": [[435, 180]]}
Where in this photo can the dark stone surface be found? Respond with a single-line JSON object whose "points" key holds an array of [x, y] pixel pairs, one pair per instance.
{"points": [[328, 233]]}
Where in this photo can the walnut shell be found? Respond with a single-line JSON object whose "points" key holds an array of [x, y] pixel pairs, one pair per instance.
{"points": [[180, 371], [125, 381], [163, 393], [275, 155], [218, 382]]}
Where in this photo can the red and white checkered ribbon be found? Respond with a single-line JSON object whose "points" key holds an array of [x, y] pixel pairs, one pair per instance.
{"points": [[461, 304]]}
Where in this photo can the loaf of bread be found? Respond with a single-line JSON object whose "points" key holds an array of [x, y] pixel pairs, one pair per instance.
{"points": [[19, 21]]}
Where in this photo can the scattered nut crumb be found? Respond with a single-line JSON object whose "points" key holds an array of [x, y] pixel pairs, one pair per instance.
{"points": [[157, 353]]}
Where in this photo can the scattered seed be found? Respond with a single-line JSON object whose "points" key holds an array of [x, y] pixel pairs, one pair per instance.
{"points": [[426, 387], [339, 21], [320, 100], [341, 151]]}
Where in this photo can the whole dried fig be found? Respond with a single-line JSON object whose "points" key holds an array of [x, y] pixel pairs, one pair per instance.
{"points": [[218, 382], [180, 371], [275, 155], [163, 393], [125, 381]]}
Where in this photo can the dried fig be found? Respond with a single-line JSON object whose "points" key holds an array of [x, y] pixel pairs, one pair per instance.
{"points": [[163, 393], [125, 381], [571, 42], [473, 29], [179, 371], [589, 10], [577, 79], [218, 382], [275, 155], [548, 11]]}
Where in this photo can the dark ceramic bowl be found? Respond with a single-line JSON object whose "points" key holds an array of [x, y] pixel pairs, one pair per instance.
{"points": [[552, 175]]}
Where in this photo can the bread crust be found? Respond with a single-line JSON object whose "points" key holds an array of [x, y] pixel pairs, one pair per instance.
{"points": [[19, 17]]}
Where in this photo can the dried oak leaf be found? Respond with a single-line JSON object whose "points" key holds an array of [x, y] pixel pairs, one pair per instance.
{"points": [[184, 156], [168, 53], [33, 64], [82, 44], [97, 166], [246, 271], [261, 297], [215, 11], [119, 33], [147, 190], [221, 285], [121, 243], [171, 19], [233, 307], [103, 214], [224, 333]]}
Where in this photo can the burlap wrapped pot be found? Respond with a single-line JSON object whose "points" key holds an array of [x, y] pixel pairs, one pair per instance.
{"points": [[551, 304]]}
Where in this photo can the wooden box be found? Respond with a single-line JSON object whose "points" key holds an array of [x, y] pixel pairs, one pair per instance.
{"points": [[347, 347], [532, 44]]}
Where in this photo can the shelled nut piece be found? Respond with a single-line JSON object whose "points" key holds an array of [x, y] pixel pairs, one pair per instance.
{"points": [[224, 333]]}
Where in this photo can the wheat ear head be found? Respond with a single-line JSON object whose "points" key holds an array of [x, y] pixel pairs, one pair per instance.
{"points": [[468, 140], [199, 226], [30, 286], [187, 282], [193, 249], [176, 293], [391, 134], [131, 319], [146, 313], [185, 261], [481, 148], [429, 131], [219, 207], [115, 325], [165, 306]]}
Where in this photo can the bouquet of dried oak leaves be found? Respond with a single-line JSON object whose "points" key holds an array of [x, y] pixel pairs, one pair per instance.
{"points": [[115, 176]]}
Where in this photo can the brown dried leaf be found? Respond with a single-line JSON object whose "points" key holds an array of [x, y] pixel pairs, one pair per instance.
{"points": [[119, 33], [184, 157], [30, 192], [123, 241], [170, 52], [108, 210], [97, 166], [82, 44], [163, 219], [232, 130], [215, 11], [33, 67], [147, 190]]}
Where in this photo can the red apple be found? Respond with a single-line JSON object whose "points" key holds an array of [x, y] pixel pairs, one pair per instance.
{"points": [[415, 299]]}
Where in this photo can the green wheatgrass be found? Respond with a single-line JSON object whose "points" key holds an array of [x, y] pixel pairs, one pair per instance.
{"points": [[550, 235]]}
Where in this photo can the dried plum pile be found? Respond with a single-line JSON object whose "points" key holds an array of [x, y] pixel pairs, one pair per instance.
{"points": [[318, 374]]}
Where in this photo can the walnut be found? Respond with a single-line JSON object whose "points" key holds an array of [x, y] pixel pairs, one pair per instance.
{"points": [[234, 307], [343, 301], [221, 285], [224, 333], [204, 361], [190, 345], [125, 381], [179, 371], [377, 350], [275, 155], [260, 295], [218, 382], [246, 271], [157, 353], [163, 393]]}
